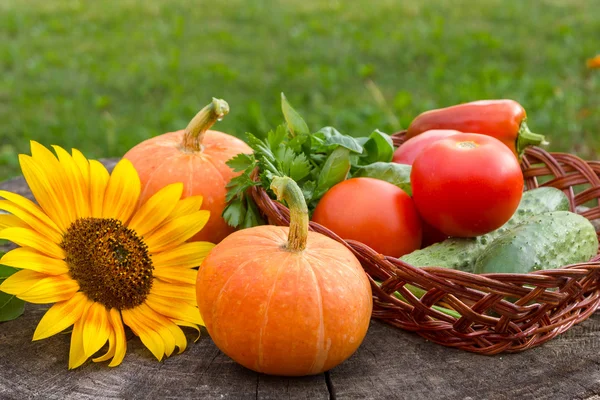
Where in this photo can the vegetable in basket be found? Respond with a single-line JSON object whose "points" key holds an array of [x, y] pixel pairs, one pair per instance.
{"points": [[373, 212], [466, 185], [409, 150], [545, 241], [461, 253], [284, 301], [315, 161], [503, 119]]}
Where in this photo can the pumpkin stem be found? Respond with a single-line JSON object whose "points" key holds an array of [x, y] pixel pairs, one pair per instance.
{"points": [[194, 132], [286, 189]]}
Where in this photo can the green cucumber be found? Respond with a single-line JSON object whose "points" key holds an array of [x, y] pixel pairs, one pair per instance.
{"points": [[547, 241], [461, 253]]}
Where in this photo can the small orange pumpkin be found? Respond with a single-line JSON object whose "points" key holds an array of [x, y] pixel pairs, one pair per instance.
{"points": [[195, 156], [284, 305]]}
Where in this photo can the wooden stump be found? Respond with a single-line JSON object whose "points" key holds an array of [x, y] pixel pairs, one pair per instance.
{"points": [[390, 364]]}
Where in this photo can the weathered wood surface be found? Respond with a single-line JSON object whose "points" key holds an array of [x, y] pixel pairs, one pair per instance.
{"points": [[390, 364]]}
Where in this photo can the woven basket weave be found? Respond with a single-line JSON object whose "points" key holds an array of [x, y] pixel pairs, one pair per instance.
{"points": [[543, 304]]}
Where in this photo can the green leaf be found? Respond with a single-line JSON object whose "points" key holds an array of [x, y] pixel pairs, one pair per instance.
{"points": [[334, 170], [240, 162], [298, 144], [10, 306], [252, 217], [235, 212], [296, 166], [397, 174], [238, 186], [274, 138], [308, 190], [261, 149], [329, 138], [6, 271], [295, 123], [379, 147]]}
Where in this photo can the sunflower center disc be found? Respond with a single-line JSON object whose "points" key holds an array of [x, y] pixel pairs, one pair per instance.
{"points": [[109, 261]]}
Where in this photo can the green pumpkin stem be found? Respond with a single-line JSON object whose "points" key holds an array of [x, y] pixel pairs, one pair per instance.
{"points": [[194, 132], [286, 189]]}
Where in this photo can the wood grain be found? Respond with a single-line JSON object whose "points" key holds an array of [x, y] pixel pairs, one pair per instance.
{"points": [[390, 364], [39, 370]]}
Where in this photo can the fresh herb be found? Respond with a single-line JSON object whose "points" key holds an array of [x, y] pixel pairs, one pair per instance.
{"points": [[316, 161], [396, 174]]}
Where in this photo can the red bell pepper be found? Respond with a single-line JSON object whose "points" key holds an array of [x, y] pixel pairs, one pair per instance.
{"points": [[503, 119]]}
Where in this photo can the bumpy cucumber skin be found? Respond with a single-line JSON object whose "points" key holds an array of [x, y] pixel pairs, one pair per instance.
{"points": [[461, 253], [545, 241]]}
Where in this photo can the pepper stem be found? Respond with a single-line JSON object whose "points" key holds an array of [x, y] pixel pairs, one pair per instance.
{"points": [[194, 132], [286, 189], [527, 138]]}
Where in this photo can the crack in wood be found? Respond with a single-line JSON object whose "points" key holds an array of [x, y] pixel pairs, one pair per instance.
{"points": [[330, 387]]}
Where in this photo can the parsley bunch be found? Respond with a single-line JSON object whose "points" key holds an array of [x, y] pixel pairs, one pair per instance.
{"points": [[315, 161]]}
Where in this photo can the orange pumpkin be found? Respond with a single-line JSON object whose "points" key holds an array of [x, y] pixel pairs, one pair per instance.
{"points": [[284, 301], [195, 156]]}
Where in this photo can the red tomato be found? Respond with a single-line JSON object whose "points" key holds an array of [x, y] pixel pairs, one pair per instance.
{"points": [[409, 150], [466, 185], [373, 212]]}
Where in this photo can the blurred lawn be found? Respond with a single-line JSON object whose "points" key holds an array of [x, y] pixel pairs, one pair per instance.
{"points": [[103, 76]]}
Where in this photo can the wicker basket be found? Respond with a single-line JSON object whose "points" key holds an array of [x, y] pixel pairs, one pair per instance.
{"points": [[543, 304]]}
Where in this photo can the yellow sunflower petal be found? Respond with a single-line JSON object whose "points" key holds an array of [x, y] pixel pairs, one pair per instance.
{"points": [[186, 293], [27, 258], [120, 340], [160, 325], [21, 281], [30, 220], [96, 329], [185, 323], [110, 353], [186, 206], [156, 209], [176, 231], [177, 275], [122, 192], [188, 255], [48, 194], [77, 184], [148, 336], [84, 166], [10, 221], [30, 238], [30, 207], [97, 187], [176, 332], [51, 289], [175, 309], [76, 353], [60, 316], [55, 174]]}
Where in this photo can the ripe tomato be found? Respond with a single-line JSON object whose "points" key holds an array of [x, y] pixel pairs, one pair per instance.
{"points": [[467, 184], [373, 212], [409, 150]]}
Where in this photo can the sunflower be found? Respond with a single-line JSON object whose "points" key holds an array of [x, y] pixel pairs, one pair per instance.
{"points": [[100, 258]]}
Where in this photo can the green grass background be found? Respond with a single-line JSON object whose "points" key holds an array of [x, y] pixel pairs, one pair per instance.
{"points": [[102, 76]]}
